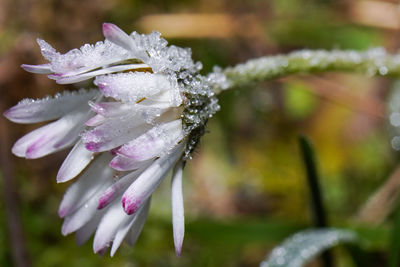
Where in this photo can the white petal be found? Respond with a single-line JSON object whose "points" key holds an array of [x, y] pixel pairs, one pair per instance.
{"points": [[117, 36], [84, 233], [178, 218], [95, 121], [169, 98], [83, 214], [49, 108], [39, 69], [139, 191], [76, 161], [117, 188], [154, 142], [133, 86], [115, 132], [136, 225], [51, 137], [88, 184], [111, 109], [88, 57], [122, 163], [109, 225], [68, 78]]}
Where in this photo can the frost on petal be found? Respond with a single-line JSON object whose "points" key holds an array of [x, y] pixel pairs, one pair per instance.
{"points": [[155, 142], [136, 224], [117, 36], [88, 57], [178, 218], [139, 191], [49, 108], [132, 86], [51, 137], [111, 109], [76, 161], [163, 99], [47, 50], [87, 73], [113, 133], [88, 184]]}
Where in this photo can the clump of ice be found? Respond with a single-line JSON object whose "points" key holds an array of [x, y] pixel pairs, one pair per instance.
{"points": [[86, 58]]}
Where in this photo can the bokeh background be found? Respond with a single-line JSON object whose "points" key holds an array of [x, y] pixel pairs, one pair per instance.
{"points": [[245, 190]]}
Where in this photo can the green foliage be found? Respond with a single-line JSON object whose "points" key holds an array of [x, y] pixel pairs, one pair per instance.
{"points": [[302, 247]]}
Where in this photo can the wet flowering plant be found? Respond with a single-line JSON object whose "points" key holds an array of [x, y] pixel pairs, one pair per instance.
{"points": [[142, 119]]}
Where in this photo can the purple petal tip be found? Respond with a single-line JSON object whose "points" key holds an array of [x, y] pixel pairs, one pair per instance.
{"points": [[108, 28], [92, 146], [131, 208], [178, 252], [105, 200], [62, 213], [8, 113]]}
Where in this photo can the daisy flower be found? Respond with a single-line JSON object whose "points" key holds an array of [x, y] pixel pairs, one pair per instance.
{"points": [[142, 119]]}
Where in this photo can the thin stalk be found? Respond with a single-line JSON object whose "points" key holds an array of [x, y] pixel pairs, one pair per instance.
{"points": [[318, 211], [373, 62]]}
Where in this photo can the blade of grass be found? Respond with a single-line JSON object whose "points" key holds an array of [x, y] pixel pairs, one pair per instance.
{"points": [[394, 249], [358, 255], [318, 211], [301, 248]]}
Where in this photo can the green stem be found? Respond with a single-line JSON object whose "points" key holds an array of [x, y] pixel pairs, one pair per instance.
{"points": [[373, 62]]}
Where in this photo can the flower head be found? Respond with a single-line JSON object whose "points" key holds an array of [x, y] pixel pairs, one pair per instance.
{"points": [[142, 119]]}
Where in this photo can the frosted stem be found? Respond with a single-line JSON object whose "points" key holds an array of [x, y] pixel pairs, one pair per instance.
{"points": [[373, 62]]}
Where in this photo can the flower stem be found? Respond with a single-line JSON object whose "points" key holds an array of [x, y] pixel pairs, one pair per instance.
{"points": [[373, 62]]}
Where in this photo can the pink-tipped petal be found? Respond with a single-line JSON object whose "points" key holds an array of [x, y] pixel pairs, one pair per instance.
{"points": [[117, 188], [117, 36], [178, 218], [89, 184], [154, 142], [140, 190], [51, 137], [111, 109], [48, 108], [137, 226], [39, 69], [76, 161], [95, 121], [122, 163], [105, 137]]}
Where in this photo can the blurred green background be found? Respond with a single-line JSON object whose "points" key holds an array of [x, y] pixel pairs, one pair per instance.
{"points": [[245, 190]]}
